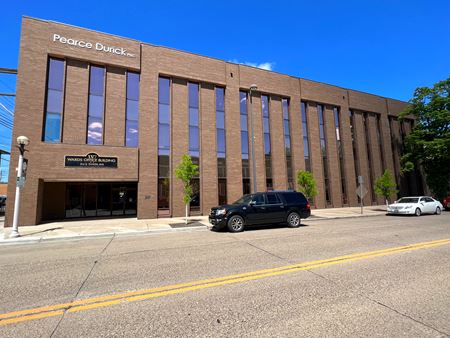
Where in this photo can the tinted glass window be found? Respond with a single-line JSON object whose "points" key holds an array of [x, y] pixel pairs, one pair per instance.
{"points": [[52, 127], [272, 199], [55, 97], [294, 198], [164, 90], [97, 80], [258, 199], [56, 74], [133, 86], [132, 110]]}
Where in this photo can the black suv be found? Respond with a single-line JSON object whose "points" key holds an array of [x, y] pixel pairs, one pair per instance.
{"points": [[261, 208]]}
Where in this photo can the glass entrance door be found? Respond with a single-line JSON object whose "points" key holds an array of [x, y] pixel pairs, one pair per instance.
{"points": [[100, 199]]}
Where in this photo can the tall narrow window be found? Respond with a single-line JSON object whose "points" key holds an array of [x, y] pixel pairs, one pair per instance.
{"points": [[380, 143], [221, 145], [55, 97], [132, 119], [163, 144], [369, 156], [305, 137], [340, 153], [267, 148], [96, 105], [194, 141], [244, 143], [287, 143], [323, 150], [354, 147]]}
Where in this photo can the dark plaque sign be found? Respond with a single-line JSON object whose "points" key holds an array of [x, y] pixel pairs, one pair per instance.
{"points": [[91, 160]]}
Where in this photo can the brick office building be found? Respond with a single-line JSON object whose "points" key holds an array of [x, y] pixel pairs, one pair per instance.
{"points": [[109, 119]]}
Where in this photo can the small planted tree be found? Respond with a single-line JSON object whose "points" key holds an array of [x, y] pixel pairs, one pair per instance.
{"points": [[385, 186], [307, 184], [186, 171]]}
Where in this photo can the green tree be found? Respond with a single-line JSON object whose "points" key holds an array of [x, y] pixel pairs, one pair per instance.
{"points": [[385, 185], [428, 144], [307, 184], [186, 171]]}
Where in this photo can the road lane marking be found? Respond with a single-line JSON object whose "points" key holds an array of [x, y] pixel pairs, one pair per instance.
{"points": [[109, 300]]}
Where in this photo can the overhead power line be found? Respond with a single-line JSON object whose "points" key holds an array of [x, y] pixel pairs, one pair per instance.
{"points": [[6, 109]]}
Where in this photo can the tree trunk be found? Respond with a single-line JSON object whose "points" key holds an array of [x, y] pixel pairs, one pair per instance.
{"points": [[187, 209]]}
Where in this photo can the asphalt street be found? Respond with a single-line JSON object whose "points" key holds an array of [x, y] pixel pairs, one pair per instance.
{"points": [[375, 276]]}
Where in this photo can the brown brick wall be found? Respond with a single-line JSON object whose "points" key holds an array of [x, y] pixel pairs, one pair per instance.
{"points": [[279, 175], [233, 134], [334, 174], [180, 143], [377, 165], [76, 102], [141, 164], [259, 143], [315, 153], [295, 122], [208, 149], [148, 136], [362, 156], [349, 160]]}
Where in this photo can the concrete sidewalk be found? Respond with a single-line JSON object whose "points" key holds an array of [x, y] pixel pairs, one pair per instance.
{"points": [[78, 229]]}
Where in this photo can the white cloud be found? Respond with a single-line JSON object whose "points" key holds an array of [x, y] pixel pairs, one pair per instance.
{"points": [[262, 65]]}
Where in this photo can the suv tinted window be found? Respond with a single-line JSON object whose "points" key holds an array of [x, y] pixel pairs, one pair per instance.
{"points": [[294, 198], [258, 199], [273, 199]]}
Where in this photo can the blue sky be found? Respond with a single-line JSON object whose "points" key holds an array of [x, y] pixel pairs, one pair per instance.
{"points": [[383, 47]]}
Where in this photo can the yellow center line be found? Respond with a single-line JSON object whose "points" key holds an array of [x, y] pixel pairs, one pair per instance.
{"points": [[103, 301]]}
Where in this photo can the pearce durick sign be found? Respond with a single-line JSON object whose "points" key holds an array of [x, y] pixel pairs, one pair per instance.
{"points": [[92, 45], [91, 160]]}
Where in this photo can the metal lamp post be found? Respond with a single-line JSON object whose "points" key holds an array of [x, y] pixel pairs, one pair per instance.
{"points": [[22, 141], [253, 87]]}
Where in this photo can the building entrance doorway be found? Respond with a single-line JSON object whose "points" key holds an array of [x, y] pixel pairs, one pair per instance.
{"points": [[100, 199]]}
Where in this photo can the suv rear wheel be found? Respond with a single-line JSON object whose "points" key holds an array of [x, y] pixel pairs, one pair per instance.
{"points": [[293, 220], [236, 223]]}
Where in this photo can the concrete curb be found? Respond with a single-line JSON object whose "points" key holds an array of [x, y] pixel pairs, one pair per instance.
{"points": [[35, 240]]}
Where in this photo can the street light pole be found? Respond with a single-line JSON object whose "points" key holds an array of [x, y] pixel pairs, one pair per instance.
{"points": [[22, 141], [252, 88]]}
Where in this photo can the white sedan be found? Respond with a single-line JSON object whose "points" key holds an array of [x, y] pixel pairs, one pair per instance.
{"points": [[415, 206]]}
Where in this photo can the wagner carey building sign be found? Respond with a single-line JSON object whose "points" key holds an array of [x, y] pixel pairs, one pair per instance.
{"points": [[92, 45], [91, 160]]}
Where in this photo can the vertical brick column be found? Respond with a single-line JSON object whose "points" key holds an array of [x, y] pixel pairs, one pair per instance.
{"points": [[28, 119], [76, 102], [386, 142], [295, 121], [334, 172], [148, 134], [347, 148], [115, 108], [362, 155], [396, 142], [259, 143], [180, 141], [279, 175], [315, 153], [208, 149], [377, 166], [233, 134]]}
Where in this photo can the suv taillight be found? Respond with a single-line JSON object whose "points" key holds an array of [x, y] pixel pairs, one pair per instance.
{"points": [[308, 206]]}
